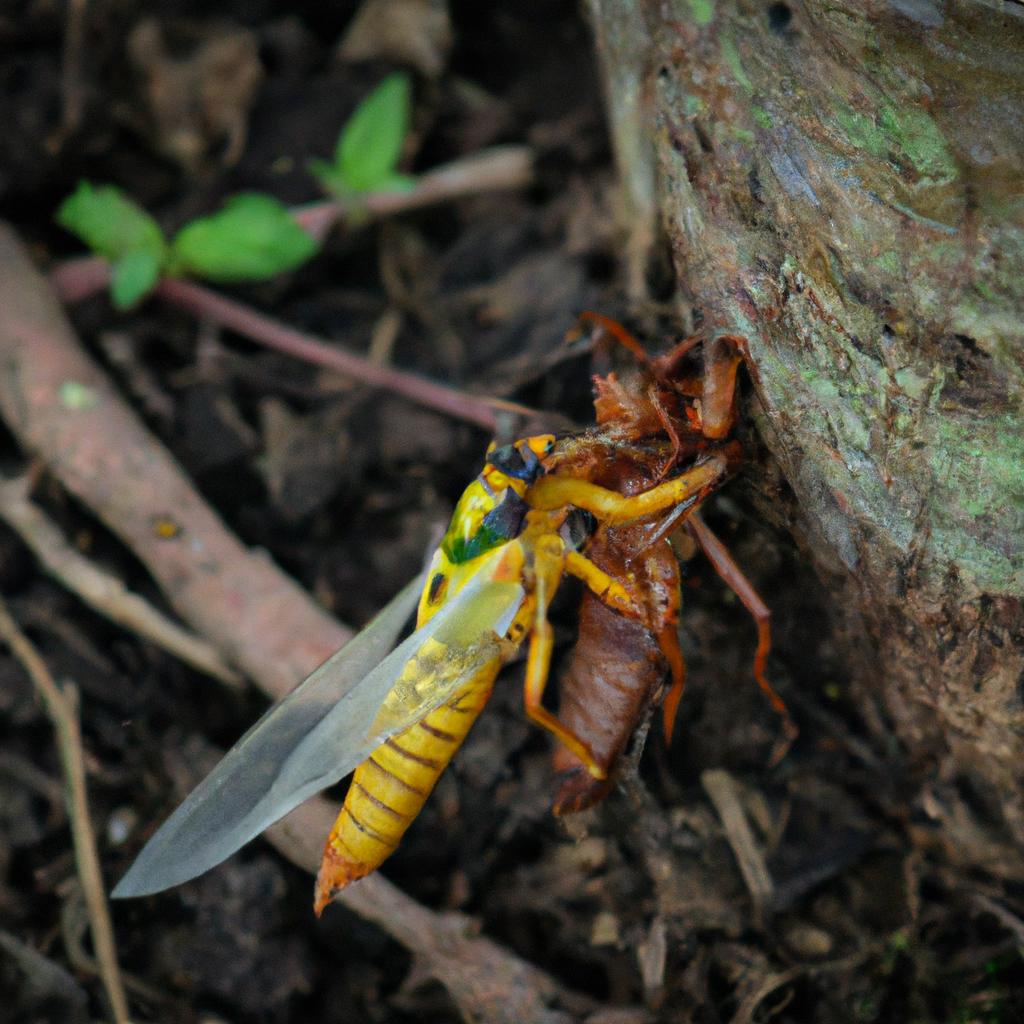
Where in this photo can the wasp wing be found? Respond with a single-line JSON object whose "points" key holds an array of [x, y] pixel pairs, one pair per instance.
{"points": [[326, 727]]}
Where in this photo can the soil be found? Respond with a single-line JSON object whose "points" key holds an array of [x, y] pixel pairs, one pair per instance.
{"points": [[639, 903]]}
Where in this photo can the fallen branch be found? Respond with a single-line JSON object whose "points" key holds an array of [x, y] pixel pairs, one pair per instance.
{"points": [[249, 608], [62, 707], [64, 410], [102, 590]]}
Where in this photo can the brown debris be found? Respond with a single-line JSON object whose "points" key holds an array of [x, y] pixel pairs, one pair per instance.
{"points": [[197, 106]]}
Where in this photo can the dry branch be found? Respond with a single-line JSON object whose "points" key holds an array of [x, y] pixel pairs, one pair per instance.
{"points": [[103, 454]]}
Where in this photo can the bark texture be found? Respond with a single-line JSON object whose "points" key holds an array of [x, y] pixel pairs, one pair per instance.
{"points": [[843, 186]]}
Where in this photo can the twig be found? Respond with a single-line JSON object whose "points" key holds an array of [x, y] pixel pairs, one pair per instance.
{"points": [[236, 316], [62, 707], [745, 1011], [499, 169], [721, 790], [78, 278], [104, 591]]}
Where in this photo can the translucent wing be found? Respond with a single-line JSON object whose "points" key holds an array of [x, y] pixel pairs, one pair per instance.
{"points": [[327, 726]]}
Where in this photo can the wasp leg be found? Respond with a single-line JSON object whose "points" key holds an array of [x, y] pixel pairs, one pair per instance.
{"points": [[549, 564], [610, 591], [612, 508], [719, 557]]}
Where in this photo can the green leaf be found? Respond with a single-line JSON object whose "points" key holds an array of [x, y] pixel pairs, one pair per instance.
{"points": [[396, 183], [332, 181], [371, 141], [252, 238], [330, 178], [110, 223], [133, 276]]}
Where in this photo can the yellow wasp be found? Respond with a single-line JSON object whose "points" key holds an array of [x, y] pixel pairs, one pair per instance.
{"points": [[397, 718]]}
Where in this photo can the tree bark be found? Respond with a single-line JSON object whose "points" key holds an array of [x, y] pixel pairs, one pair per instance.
{"points": [[843, 186]]}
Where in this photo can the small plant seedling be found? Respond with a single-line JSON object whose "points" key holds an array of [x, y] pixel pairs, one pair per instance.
{"points": [[370, 144], [115, 227], [252, 238]]}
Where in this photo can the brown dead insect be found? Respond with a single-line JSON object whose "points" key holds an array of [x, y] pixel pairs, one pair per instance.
{"points": [[674, 410]]}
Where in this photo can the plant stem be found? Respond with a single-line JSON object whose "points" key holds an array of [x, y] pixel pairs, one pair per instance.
{"points": [[251, 323]]}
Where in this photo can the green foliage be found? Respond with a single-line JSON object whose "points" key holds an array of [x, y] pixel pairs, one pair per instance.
{"points": [[252, 238], [116, 228], [370, 143], [133, 276]]}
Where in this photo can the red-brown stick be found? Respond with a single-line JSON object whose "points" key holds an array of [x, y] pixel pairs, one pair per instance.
{"points": [[255, 325]]}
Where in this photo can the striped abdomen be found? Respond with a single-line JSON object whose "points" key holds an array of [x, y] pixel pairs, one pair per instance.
{"points": [[389, 789]]}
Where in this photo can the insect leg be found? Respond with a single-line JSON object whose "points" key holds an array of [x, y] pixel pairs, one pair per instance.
{"points": [[668, 426], [668, 641], [549, 564], [615, 330], [606, 587], [612, 508], [665, 366], [719, 557]]}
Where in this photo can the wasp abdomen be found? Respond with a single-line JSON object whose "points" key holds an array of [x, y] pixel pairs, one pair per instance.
{"points": [[389, 789]]}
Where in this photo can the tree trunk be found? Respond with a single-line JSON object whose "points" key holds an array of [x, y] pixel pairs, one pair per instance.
{"points": [[843, 186]]}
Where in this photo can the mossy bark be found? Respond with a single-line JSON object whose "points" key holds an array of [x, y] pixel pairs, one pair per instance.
{"points": [[843, 186]]}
